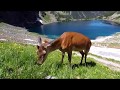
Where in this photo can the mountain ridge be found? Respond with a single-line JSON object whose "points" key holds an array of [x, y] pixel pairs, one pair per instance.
{"points": [[29, 19]]}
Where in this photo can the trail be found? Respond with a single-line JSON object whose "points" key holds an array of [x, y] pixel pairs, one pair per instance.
{"points": [[111, 53], [110, 64]]}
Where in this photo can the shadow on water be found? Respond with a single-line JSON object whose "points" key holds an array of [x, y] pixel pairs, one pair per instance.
{"points": [[36, 29]]}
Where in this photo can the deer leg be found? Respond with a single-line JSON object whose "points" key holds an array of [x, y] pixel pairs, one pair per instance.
{"points": [[85, 58], [69, 57], [82, 53]]}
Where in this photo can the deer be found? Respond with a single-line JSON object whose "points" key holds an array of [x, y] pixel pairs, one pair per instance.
{"points": [[67, 42]]}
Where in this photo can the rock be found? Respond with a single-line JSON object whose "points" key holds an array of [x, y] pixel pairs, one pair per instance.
{"points": [[50, 77], [3, 40]]}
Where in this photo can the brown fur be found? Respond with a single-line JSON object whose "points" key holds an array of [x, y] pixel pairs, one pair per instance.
{"points": [[68, 42]]}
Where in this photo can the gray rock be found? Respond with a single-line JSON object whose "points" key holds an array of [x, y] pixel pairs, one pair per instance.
{"points": [[50, 77]]}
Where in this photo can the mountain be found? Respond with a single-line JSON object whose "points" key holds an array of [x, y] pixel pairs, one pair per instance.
{"points": [[115, 17], [20, 18], [54, 16], [28, 19]]}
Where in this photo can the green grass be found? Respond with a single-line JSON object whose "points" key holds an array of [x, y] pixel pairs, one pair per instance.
{"points": [[47, 17], [17, 61]]}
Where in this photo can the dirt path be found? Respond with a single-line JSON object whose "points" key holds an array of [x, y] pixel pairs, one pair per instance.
{"points": [[111, 53], [110, 64], [17, 34]]}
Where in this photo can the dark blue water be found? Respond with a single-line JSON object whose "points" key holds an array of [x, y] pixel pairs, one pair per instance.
{"points": [[90, 28]]}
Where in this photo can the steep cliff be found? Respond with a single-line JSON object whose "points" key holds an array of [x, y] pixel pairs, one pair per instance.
{"points": [[21, 18]]}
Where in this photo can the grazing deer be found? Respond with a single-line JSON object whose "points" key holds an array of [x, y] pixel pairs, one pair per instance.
{"points": [[67, 42]]}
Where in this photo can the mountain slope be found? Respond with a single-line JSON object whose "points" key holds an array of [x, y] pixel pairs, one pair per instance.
{"points": [[30, 18], [54, 16], [115, 17]]}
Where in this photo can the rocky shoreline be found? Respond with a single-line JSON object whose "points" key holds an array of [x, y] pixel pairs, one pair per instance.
{"points": [[17, 34]]}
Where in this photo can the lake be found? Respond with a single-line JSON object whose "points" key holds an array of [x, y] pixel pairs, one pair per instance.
{"points": [[90, 28]]}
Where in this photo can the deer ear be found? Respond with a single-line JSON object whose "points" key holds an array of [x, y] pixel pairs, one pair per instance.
{"points": [[37, 47], [46, 41], [47, 45], [39, 41]]}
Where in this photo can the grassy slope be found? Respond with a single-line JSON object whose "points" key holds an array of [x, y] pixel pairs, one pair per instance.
{"points": [[18, 61]]}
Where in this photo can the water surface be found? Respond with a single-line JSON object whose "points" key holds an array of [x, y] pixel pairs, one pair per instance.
{"points": [[90, 28]]}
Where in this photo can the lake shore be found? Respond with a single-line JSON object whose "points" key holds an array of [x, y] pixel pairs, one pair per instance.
{"points": [[112, 41], [108, 21]]}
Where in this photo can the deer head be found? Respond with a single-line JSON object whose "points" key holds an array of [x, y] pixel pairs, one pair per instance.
{"points": [[42, 50]]}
